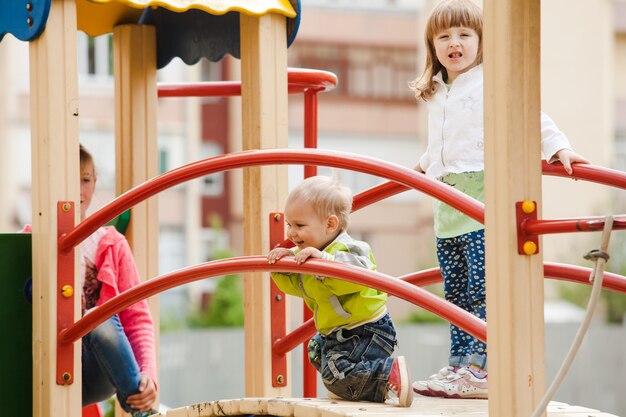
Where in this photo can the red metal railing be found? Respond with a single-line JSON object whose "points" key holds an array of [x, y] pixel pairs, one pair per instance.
{"points": [[585, 172], [369, 165], [300, 80], [362, 276], [67, 241], [580, 275], [403, 176], [406, 287], [309, 82]]}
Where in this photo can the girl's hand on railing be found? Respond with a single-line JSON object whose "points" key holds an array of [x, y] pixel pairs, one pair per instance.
{"points": [[569, 157]]}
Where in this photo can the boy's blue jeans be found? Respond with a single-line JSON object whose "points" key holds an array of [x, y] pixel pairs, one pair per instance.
{"points": [[355, 364], [109, 365]]}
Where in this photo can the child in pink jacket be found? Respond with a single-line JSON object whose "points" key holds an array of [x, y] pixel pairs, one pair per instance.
{"points": [[118, 357]]}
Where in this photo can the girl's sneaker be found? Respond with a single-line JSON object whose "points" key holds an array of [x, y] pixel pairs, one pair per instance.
{"points": [[446, 373], [467, 383]]}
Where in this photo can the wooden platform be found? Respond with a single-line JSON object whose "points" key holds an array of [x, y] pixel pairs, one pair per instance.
{"points": [[323, 407]]}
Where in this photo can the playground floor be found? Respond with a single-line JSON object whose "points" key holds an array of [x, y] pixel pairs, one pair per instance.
{"points": [[322, 407]]}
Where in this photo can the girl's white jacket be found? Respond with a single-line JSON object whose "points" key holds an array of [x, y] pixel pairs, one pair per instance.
{"points": [[456, 128]]}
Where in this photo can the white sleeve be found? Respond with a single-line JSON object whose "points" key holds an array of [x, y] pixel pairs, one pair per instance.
{"points": [[552, 139]]}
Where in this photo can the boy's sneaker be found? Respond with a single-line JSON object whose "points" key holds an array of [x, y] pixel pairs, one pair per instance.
{"points": [[446, 373], [332, 396], [466, 383], [400, 382]]}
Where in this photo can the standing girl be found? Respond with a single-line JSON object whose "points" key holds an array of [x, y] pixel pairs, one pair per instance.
{"points": [[452, 87]]}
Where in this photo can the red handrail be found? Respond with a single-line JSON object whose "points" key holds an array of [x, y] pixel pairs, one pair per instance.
{"points": [[553, 270], [310, 82], [345, 160], [563, 272], [580, 275], [588, 224], [299, 80], [399, 288], [586, 172]]}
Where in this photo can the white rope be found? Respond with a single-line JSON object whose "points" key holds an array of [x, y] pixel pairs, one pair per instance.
{"points": [[600, 257]]}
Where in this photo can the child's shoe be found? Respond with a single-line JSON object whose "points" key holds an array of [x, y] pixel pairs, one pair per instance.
{"points": [[400, 382], [446, 373], [332, 396], [143, 413], [468, 382]]}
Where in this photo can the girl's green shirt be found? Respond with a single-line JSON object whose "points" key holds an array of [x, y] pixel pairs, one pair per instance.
{"points": [[450, 222]]}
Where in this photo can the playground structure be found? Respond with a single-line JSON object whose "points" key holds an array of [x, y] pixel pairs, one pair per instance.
{"points": [[264, 88]]}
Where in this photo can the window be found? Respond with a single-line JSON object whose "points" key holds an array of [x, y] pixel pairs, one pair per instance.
{"points": [[364, 72], [95, 57]]}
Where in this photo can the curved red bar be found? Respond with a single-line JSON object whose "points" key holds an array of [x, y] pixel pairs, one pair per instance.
{"points": [[563, 272], [299, 81], [361, 163], [587, 172], [580, 275], [377, 193], [393, 286]]}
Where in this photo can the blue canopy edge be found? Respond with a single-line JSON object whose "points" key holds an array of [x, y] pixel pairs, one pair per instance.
{"points": [[24, 19]]}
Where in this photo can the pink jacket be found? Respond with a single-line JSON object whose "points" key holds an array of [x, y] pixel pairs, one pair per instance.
{"points": [[117, 272]]}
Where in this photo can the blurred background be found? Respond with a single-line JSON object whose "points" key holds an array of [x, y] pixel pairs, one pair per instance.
{"points": [[375, 47]]}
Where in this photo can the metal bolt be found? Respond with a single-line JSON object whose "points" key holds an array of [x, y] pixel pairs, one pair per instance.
{"points": [[29, 20], [528, 206], [277, 217], [530, 247], [67, 377], [280, 379], [66, 207], [278, 297], [67, 291], [29, 7]]}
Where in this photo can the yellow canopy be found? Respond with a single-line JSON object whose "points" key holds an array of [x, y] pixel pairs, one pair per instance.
{"points": [[97, 17]]}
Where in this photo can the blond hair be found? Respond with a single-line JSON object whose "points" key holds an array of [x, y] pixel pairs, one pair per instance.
{"points": [[86, 158], [327, 196], [446, 14]]}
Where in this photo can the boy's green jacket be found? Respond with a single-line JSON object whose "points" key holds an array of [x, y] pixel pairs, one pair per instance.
{"points": [[336, 303]]}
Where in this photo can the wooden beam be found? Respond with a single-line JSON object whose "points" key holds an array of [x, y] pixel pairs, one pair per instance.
{"points": [[136, 143], [264, 112], [55, 177], [512, 173]]}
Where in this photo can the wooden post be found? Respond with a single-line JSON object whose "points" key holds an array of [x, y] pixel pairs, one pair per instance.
{"points": [[55, 177], [137, 157], [512, 173], [264, 111]]}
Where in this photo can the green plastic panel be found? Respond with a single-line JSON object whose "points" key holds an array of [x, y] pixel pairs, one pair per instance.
{"points": [[16, 324]]}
